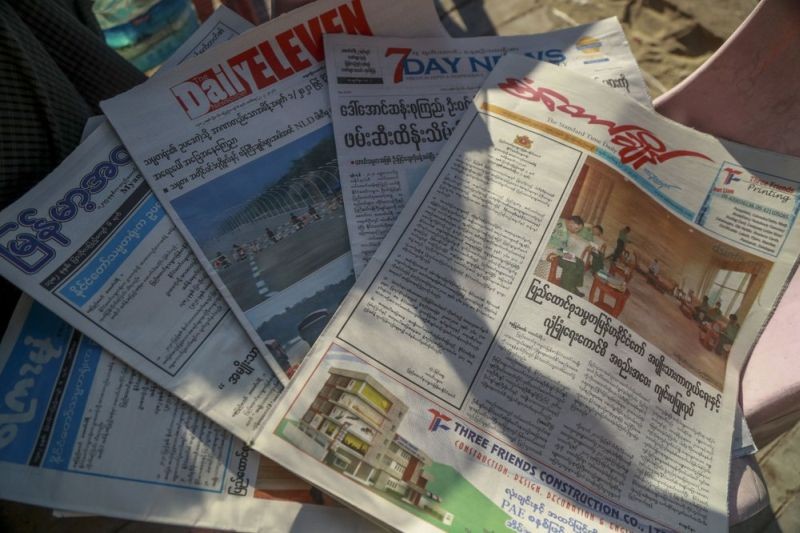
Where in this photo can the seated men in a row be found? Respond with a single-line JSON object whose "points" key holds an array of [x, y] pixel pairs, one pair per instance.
{"points": [[570, 246], [705, 313], [579, 248], [727, 335], [718, 333], [595, 252]]}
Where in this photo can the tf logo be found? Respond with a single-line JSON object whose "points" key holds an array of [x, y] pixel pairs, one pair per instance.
{"points": [[436, 424], [731, 175]]}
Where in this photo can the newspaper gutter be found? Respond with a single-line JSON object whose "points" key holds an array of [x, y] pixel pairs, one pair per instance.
{"points": [[246, 125], [92, 243], [108, 441], [507, 400], [395, 101]]}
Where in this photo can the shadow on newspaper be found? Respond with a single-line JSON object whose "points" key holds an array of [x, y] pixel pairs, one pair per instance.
{"points": [[542, 409]]}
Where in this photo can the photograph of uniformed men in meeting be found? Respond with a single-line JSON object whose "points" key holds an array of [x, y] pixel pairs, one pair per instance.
{"points": [[682, 290]]}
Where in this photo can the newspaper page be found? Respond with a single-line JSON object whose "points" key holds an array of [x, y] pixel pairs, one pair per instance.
{"points": [[394, 103], [89, 434], [92, 243], [238, 145], [551, 336], [221, 26]]}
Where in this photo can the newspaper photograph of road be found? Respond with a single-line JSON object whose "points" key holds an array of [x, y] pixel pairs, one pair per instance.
{"points": [[281, 246]]}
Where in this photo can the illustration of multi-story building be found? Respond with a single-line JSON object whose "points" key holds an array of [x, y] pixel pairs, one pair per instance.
{"points": [[355, 419]]}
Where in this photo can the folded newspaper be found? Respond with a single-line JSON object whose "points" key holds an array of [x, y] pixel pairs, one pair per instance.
{"points": [[141, 501], [93, 244], [551, 335], [395, 101], [245, 126], [87, 433]]}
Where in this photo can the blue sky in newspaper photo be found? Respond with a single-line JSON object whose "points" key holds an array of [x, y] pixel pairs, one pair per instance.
{"points": [[206, 208]]}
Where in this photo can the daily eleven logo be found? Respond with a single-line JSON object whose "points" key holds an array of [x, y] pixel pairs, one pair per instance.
{"points": [[269, 61], [437, 421], [637, 145]]}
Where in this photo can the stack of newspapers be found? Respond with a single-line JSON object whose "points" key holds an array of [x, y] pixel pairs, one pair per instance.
{"points": [[342, 272]]}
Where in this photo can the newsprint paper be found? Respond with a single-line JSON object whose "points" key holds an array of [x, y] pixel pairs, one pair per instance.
{"points": [[395, 102], [550, 337], [93, 244], [84, 432], [238, 145]]}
